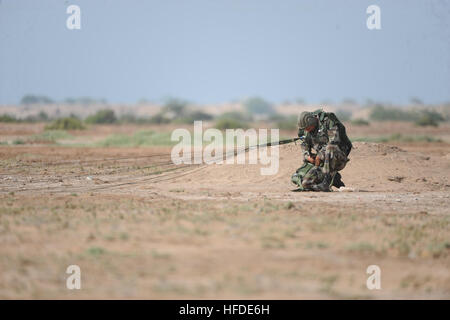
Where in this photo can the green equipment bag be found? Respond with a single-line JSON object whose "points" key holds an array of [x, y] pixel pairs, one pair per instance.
{"points": [[301, 172]]}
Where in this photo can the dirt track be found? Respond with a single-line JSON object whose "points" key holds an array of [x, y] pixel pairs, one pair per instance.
{"points": [[140, 227]]}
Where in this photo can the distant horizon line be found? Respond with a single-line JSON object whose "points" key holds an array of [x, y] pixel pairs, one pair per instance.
{"points": [[83, 100]]}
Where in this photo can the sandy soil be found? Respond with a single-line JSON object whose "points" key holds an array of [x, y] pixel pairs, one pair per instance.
{"points": [[141, 227]]}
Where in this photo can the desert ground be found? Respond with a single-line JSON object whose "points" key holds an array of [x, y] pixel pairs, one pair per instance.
{"points": [[141, 227]]}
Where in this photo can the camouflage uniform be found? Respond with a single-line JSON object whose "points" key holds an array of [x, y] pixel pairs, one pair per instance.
{"points": [[312, 179], [331, 144]]}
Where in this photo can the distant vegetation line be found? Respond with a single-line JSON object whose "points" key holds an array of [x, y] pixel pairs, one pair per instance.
{"points": [[255, 109]]}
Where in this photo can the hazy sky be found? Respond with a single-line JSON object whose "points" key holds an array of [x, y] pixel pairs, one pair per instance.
{"points": [[219, 50]]}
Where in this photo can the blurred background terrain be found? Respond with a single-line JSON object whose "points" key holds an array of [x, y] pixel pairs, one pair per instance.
{"points": [[86, 176]]}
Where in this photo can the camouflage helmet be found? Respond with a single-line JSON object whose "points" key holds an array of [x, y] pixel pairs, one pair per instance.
{"points": [[306, 119]]}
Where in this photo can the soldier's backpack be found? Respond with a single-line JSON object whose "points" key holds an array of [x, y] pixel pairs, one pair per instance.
{"points": [[301, 172], [299, 175]]}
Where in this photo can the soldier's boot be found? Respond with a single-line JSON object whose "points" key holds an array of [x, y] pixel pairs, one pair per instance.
{"points": [[337, 181], [325, 184]]}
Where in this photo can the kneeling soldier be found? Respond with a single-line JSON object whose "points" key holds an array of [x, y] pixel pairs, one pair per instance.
{"points": [[324, 133]]}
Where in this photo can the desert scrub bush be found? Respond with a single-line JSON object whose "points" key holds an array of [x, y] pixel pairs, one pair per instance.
{"points": [[8, 118], [256, 105], [426, 121], [233, 120], [102, 117], [289, 123], [239, 116], [360, 122], [175, 106], [68, 123], [429, 118], [229, 123], [277, 117], [190, 117], [131, 118], [200, 115], [380, 113], [159, 118], [175, 110], [40, 117]]}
